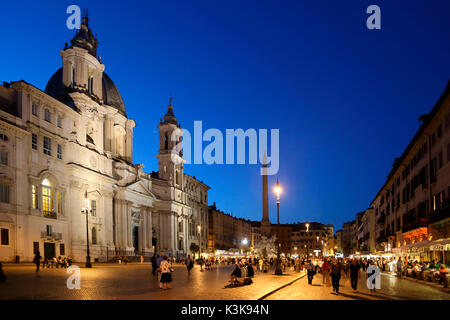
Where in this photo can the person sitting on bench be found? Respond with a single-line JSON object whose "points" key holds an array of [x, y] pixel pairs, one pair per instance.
{"points": [[236, 274]]}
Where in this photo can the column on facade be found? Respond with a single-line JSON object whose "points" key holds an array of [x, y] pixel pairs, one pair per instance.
{"points": [[117, 224], [129, 224], [144, 228], [124, 234], [149, 227], [173, 222], [185, 233], [162, 231], [129, 144]]}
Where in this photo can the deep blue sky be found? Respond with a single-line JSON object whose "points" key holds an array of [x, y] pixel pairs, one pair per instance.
{"points": [[346, 99]]}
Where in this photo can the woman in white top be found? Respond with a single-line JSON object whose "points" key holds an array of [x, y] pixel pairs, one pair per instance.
{"points": [[166, 273]]}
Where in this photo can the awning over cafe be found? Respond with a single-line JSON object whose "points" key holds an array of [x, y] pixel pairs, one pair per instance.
{"points": [[440, 245]]}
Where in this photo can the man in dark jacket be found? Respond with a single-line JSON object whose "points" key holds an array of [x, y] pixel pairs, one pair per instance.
{"points": [[37, 260], [310, 271], [336, 272], [354, 274], [154, 264], [250, 271], [236, 274]]}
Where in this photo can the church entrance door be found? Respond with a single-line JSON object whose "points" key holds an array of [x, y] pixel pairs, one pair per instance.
{"points": [[136, 238]]}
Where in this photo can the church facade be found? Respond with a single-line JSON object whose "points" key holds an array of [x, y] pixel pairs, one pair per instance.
{"points": [[70, 148]]}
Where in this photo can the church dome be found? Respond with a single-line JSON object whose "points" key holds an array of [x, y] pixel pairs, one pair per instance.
{"points": [[111, 95]]}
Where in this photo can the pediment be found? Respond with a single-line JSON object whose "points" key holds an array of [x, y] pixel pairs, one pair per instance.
{"points": [[140, 188]]}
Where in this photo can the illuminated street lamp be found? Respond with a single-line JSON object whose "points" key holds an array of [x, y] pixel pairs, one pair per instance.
{"points": [[278, 270], [86, 210], [199, 228], [244, 241], [306, 246]]}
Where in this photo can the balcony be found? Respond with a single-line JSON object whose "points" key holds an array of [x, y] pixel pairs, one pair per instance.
{"points": [[381, 239], [381, 220], [51, 236], [49, 214], [442, 213], [421, 223]]}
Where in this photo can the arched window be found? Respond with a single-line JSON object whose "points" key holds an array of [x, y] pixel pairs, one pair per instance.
{"points": [[91, 84], [72, 80], [94, 235], [47, 199], [166, 142]]}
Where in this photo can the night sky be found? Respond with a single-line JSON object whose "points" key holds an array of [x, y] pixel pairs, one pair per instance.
{"points": [[346, 99]]}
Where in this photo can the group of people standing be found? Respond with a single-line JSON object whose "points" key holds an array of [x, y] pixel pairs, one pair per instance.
{"points": [[63, 262], [333, 270]]}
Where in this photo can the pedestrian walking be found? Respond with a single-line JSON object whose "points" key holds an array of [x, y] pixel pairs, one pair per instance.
{"points": [[371, 264], [37, 260], [336, 272], [261, 262], [200, 262], [310, 269], [354, 274], [189, 264], [158, 264], [142, 259], [325, 269], [154, 264], [399, 268], [166, 273]]}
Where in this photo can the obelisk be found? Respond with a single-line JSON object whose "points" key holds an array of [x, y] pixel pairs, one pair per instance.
{"points": [[265, 222]]}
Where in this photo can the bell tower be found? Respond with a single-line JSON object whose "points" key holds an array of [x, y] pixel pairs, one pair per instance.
{"points": [[170, 157], [82, 70]]}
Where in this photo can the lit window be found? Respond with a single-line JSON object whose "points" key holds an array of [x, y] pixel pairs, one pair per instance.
{"points": [[34, 197], [47, 198], [34, 141], [48, 146]]}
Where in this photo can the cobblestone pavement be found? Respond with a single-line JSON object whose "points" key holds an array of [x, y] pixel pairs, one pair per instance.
{"points": [[133, 281], [392, 288]]}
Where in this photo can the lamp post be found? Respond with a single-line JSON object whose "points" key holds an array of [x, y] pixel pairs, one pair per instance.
{"points": [[199, 228], [86, 210], [307, 252], [244, 243], [278, 270]]}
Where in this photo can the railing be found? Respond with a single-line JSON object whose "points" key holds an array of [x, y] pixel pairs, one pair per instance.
{"points": [[442, 213], [52, 235], [414, 225], [381, 239], [50, 214]]}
